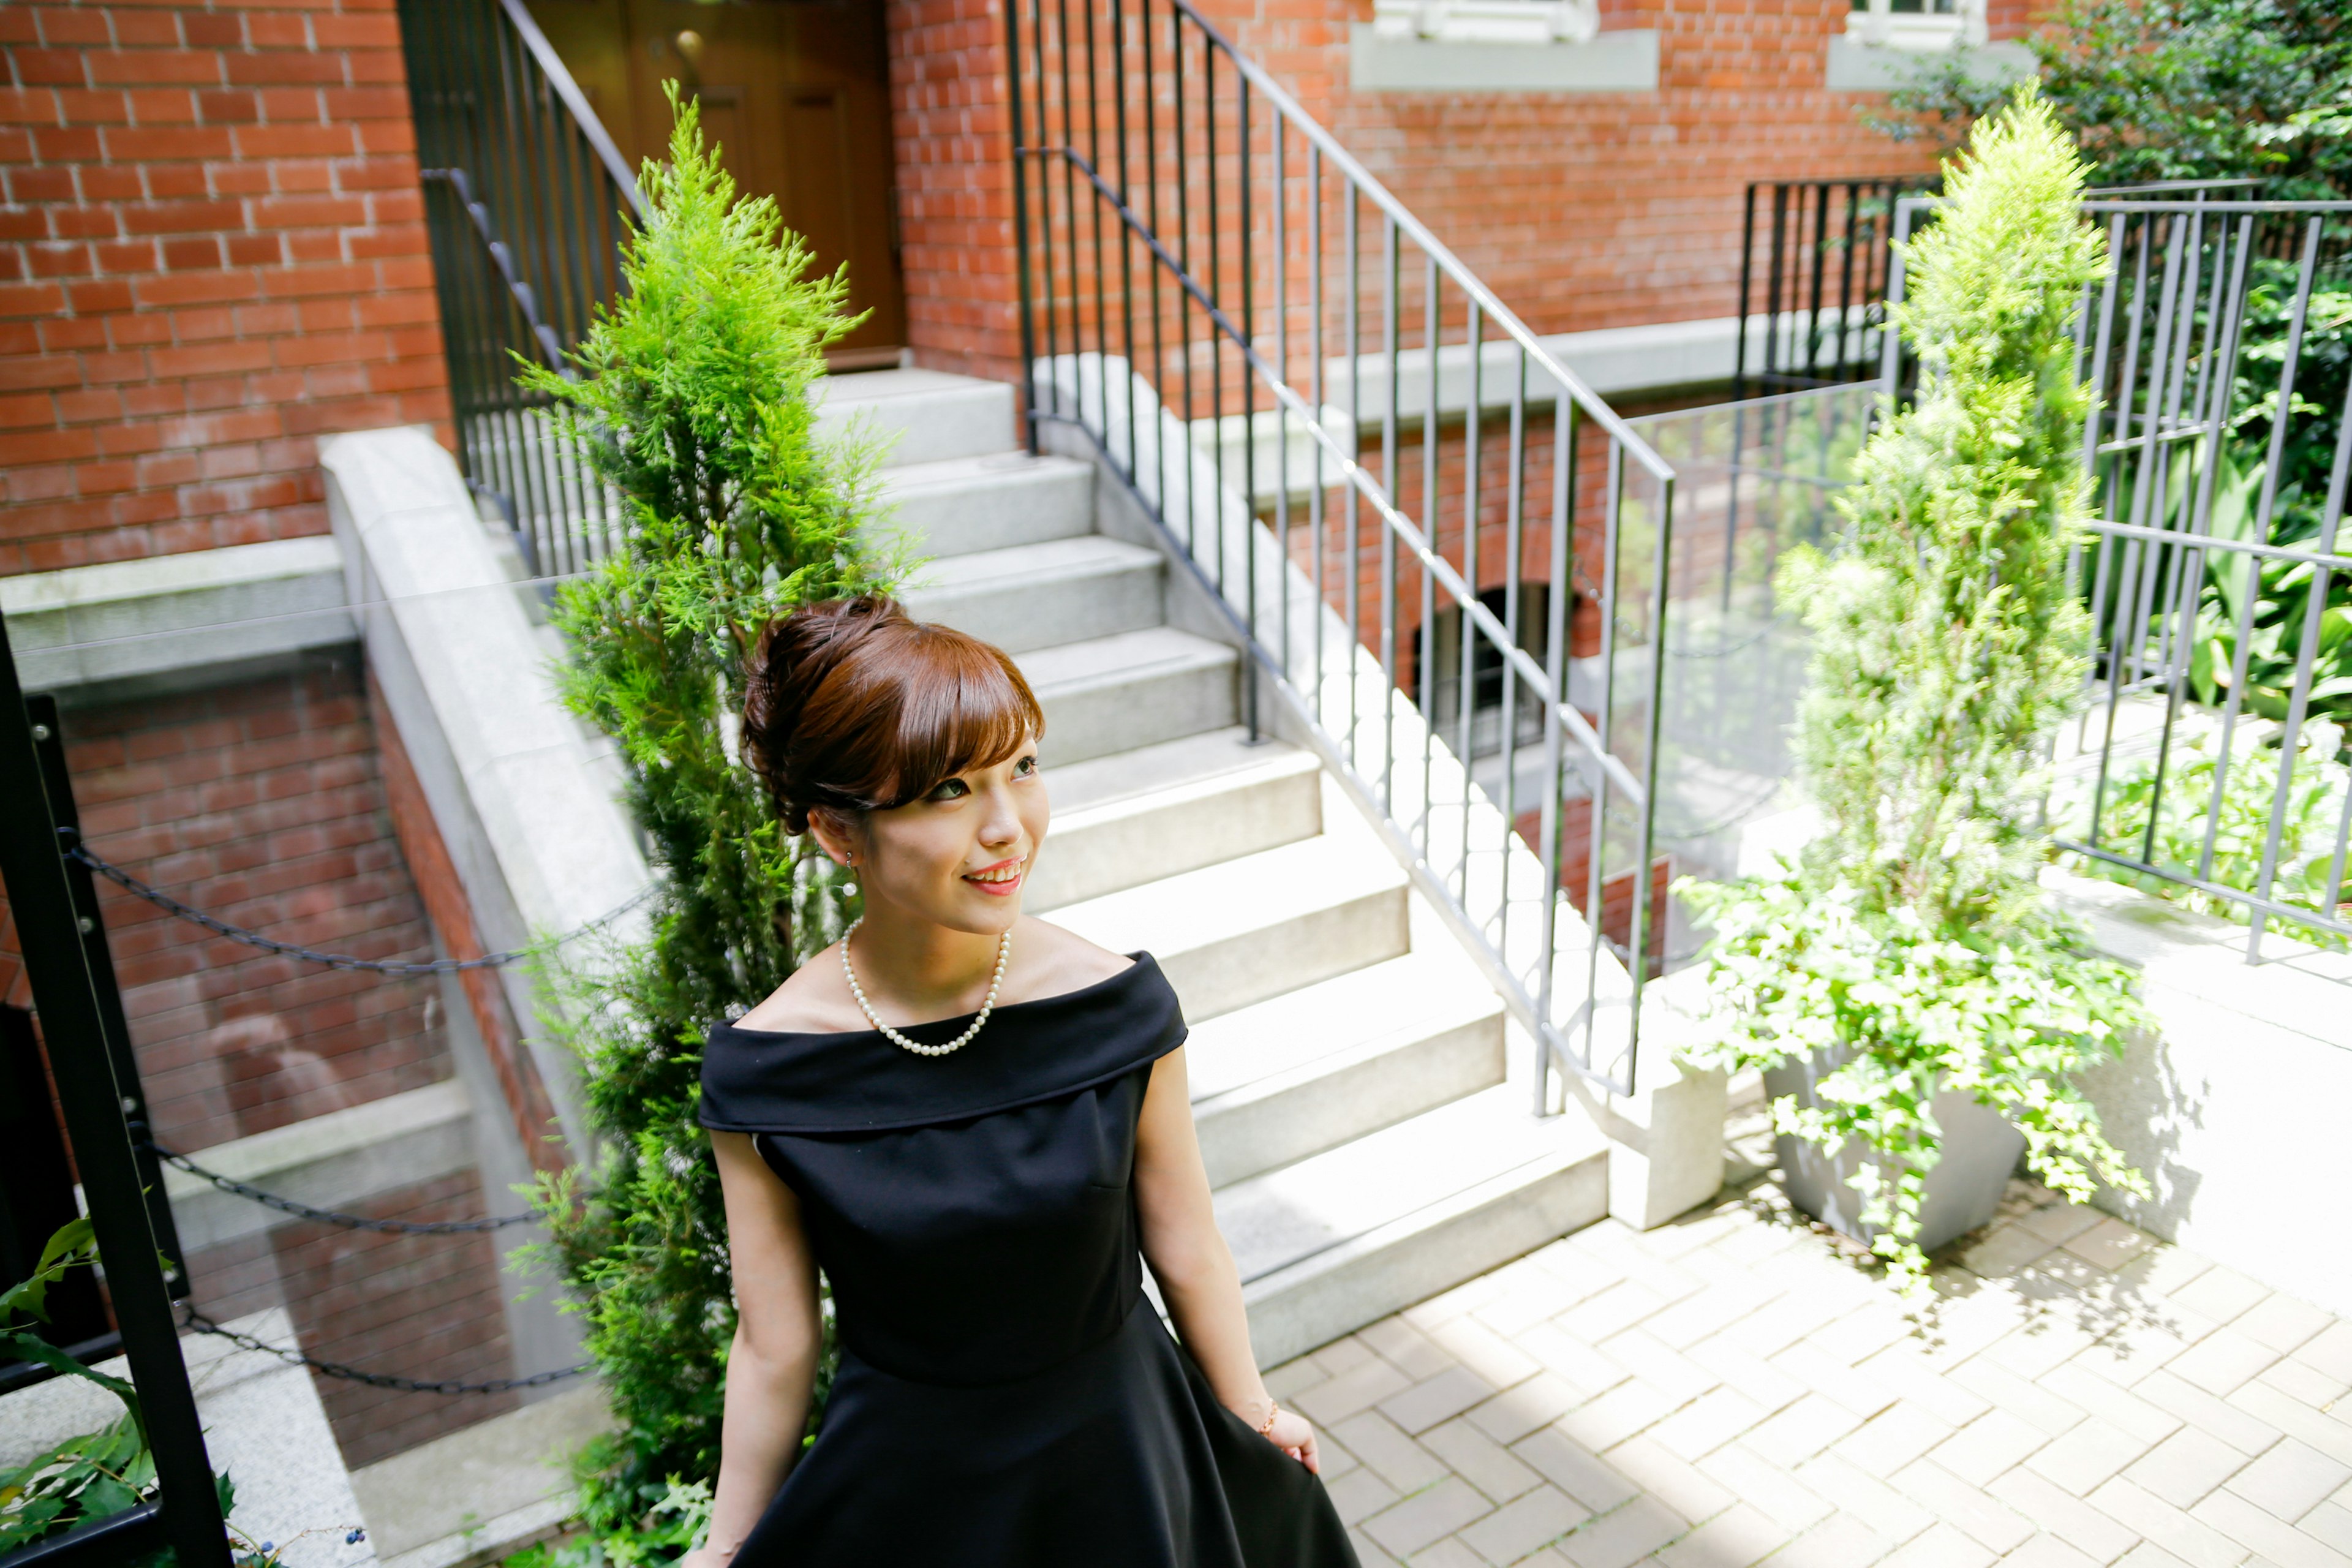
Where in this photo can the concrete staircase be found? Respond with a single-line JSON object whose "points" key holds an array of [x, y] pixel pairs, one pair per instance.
{"points": [[1368, 1144]]}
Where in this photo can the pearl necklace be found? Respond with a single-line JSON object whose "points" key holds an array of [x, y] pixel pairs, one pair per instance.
{"points": [[995, 983]]}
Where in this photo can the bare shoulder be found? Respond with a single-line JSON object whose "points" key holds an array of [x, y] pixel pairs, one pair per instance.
{"points": [[1048, 961], [813, 999]]}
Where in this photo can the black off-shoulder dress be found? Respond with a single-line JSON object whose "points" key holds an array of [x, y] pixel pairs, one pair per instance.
{"points": [[1007, 1398]]}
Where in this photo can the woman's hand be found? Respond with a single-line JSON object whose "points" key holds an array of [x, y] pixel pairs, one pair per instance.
{"points": [[1294, 1436]]}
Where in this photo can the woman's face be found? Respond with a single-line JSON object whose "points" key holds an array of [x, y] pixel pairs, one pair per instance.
{"points": [[960, 855]]}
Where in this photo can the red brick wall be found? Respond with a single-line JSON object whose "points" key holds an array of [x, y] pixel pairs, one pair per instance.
{"points": [[212, 251], [955, 200], [259, 802]]}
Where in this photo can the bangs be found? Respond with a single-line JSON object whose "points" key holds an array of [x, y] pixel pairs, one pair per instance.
{"points": [[964, 705]]}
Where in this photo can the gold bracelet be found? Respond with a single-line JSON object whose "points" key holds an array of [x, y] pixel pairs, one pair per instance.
{"points": [[1265, 1429]]}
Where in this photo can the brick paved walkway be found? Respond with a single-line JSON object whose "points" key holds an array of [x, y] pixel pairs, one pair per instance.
{"points": [[1732, 1387]]}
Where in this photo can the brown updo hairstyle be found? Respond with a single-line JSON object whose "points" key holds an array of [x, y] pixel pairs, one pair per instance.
{"points": [[852, 705]]}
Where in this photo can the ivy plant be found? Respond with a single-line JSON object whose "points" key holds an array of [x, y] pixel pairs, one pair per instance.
{"points": [[690, 398], [1946, 646]]}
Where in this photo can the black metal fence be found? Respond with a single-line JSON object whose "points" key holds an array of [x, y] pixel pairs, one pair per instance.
{"points": [[2212, 757], [526, 201], [1814, 261], [1354, 445]]}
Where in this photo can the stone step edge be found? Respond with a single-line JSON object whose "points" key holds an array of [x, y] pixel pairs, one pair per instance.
{"points": [[1476, 1013]]}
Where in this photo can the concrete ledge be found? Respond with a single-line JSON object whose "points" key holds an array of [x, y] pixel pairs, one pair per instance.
{"points": [[477, 1494], [1610, 62], [334, 1160], [1853, 66], [168, 614]]}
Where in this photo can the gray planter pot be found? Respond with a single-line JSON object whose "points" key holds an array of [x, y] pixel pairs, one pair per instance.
{"points": [[1979, 1150]]}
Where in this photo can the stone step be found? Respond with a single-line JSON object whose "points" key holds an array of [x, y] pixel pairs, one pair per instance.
{"points": [[1030, 596], [1123, 820], [926, 416], [1306, 1071], [992, 502], [1244, 930], [1135, 689], [1343, 1239]]}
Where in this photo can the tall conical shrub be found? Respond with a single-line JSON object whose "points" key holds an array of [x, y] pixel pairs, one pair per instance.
{"points": [[1948, 645], [692, 403]]}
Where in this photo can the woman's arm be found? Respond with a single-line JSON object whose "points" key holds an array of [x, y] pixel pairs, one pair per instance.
{"points": [[1194, 1266], [772, 1365]]}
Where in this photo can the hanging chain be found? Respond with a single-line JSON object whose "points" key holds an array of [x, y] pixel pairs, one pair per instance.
{"points": [[218, 927], [193, 1320], [330, 1217]]}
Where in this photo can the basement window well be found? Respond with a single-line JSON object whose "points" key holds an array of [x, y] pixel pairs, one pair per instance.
{"points": [[1498, 45]]}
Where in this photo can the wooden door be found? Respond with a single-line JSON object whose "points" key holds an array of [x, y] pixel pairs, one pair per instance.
{"points": [[796, 92]]}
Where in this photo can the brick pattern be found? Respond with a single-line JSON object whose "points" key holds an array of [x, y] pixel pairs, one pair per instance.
{"points": [[212, 251], [427, 1307], [261, 802], [1733, 1388]]}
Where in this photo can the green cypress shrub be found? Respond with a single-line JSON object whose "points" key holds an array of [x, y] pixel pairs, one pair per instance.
{"points": [[1948, 645], [692, 403]]}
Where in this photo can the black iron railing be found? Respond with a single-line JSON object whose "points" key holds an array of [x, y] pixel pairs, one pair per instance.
{"points": [[526, 199], [1813, 267], [1385, 480]]}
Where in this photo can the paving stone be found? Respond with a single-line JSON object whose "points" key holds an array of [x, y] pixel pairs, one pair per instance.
{"points": [[1803, 1430], [1405, 1527], [2003, 1390], [1736, 1538], [1571, 1358], [1826, 1375], [1337, 1398], [1480, 1460], [2133, 1353], [1447, 1552], [1436, 1399], [2290, 1479], [2081, 1460], [1702, 1428], [1623, 1536], [1867, 1330], [1342, 1355], [2284, 1323], [1697, 1317], [1665, 1477], [2083, 1390], [1292, 1378], [2222, 1361], [1742, 1368], [1377, 1441], [1452, 1304], [1606, 1422], [1767, 1488], [1939, 1546], [1975, 1511], [1484, 1352], [1406, 1348], [1987, 1445], [2060, 1221], [2186, 1466], [1612, 1311], [2060, 1513], [1878, 1505], [2134, 1508], [2237, 1427], [2330, 1524], [1368, 1551], [1886, 1444], [2147, 1554], [1510, 1533], [1575, 1470], [1788, 1320], [2221, 1294], [2292, 1416], [2046, 1550], [1359, 1494], [2009, 1248], [2039, 1345], [2298, 1378], [1941, 1393], [2110, 1243], [2274, 1538], [1335, 1458], [1520, 1409], [1654, 1362], [2331, 1350], [1840, 1543]]}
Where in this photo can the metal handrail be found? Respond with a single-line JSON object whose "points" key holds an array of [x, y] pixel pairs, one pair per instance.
{"points": [[559, 76], [1080, 128]]}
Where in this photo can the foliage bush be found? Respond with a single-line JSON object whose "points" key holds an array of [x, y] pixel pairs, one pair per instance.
{"points": [[1948, 645], [2175, 90], [691, 401]]}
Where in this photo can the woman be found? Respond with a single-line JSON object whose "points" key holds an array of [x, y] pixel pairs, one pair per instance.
{"points": [[974, 1123]]}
